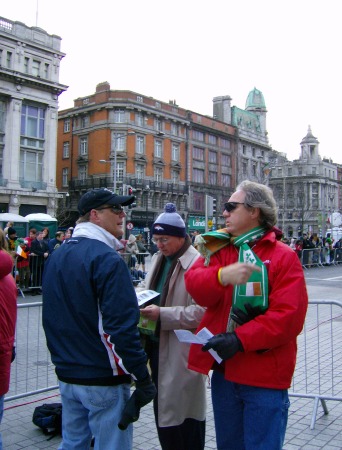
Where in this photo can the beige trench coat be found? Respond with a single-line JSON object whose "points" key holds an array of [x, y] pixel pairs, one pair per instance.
{"points": [[181, 392]]}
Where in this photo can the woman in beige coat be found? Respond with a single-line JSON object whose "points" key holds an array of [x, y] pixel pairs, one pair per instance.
{"points": [[180, 405]]}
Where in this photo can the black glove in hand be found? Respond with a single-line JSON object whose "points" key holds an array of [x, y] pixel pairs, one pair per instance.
{"points": [[241, 317], [144, 393], [225, 344]]}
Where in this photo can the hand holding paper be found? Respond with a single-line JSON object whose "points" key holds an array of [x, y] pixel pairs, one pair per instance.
{"points": [[201, 337]]}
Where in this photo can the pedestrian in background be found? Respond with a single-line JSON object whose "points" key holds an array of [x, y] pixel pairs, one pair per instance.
{"points": [[90, 317], [180, 404], [8, 315], [253, 288]]}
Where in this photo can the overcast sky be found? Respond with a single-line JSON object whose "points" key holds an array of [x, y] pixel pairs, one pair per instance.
{"points": [[193, 50]]}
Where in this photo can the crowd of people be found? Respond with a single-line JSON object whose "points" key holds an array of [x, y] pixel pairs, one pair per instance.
{"points": [[242, 287], [30, 253], [313, 250]]}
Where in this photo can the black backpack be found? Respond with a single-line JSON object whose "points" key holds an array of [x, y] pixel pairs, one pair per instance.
{"points": [[48, 417]]}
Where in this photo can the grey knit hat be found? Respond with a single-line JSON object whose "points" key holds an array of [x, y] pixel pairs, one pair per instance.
{"points": [[169, 223]]}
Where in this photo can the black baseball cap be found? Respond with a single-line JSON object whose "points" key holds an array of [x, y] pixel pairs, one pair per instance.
{"points": [[97, 197]]}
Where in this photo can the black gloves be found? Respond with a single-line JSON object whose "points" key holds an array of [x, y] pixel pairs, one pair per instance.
{"points": [[144, 393], [225, 344], [241, 317]]}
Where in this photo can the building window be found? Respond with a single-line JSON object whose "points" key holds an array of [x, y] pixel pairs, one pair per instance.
{"points": [[140, 99], [46, 70], [119, 142], [212, 178], [82, 172], [9, 60], [225, 160], [31, 165], [120, 170], [139, 119], [253, 152], [198, 175], [26, 64], [174, 129], [1, 162], [175, 152], [158, 124], [2, 116], [66, 148], [244, 168], [158, 175], [65, 177], [140, 145], [198, 201], [225, 180], [198, 135], [212, 139], [32, 126], [224, 143], [213, 157], [35, 68], [66, 125], [83, 145], [84, 121], [314, 171], [175, 177], [119, 116], [198, 153], [243, 149], [158, 147], [140, 171]]}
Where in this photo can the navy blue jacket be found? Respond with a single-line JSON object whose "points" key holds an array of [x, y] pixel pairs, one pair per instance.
{"points": [[90, 315]]}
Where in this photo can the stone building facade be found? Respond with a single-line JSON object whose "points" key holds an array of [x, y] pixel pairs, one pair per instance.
{"points": [[29, 89]]}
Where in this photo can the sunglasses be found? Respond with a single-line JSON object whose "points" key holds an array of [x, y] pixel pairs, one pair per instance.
{"points": [[116, 209], [230, 206]]}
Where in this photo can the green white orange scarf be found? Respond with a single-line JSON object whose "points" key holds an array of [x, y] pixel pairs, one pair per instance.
{"points": [[255, 291]]}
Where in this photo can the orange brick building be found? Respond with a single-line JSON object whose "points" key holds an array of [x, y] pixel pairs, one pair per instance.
{"points": [[117, 139]]}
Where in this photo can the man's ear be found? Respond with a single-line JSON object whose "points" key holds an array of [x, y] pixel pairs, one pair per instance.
{"points": [[255, 213]]}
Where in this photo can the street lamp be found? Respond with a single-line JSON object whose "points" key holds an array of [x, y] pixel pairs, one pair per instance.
{"points": [[147, 228], [129, 133]]}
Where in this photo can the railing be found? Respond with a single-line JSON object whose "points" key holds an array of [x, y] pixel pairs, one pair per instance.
{"points": [[318, 370], [317, 376], [319, 257]]}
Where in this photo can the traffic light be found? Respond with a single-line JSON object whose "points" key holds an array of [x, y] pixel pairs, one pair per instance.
{"points": [[214, 207], [131, 191]]}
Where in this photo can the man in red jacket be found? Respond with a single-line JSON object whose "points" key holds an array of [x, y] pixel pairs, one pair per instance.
{"points": [[8, 316], [253, 288]]}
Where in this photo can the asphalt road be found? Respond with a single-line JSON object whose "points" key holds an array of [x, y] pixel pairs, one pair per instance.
{"points": [[324, 283]]}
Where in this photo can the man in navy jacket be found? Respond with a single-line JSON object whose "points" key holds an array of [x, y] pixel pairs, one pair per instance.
{"points": [[90, 316]]}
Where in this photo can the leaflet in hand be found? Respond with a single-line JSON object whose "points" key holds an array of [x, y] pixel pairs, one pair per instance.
{"points": [[202, 337], [146, 296]]}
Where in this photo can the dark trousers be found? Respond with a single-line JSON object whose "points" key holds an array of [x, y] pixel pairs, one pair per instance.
{"points": [[190, 435]]}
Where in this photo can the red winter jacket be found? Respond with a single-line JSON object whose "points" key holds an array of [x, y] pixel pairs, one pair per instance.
{"points": [[276, 330], [8, 316]]}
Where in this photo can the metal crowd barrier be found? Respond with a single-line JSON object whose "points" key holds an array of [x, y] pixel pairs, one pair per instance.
{"points": [[318, 373], [319, 257], [34, 272], [32, 371]]}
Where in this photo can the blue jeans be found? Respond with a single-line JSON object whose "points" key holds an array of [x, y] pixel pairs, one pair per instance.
{"points": [[248, 417], [94, 411], [1, 414]]}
